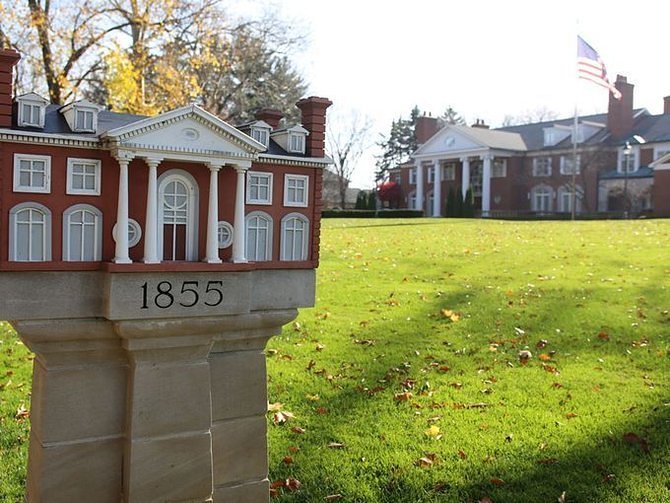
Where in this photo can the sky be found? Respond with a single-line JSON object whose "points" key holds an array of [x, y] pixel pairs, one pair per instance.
{"points": [[487, 59]]}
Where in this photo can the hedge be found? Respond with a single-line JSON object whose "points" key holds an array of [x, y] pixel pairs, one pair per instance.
{"points": [[401, 213]]}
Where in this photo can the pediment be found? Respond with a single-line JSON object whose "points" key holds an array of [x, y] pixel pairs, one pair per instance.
{"points": [[448, 139], [188, 130]]}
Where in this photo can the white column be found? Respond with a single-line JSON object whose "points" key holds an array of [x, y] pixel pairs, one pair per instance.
{"points": [[437, 189], [151, 219], [465, 182], [486, 185], [213, 215], [121, 253], [419, 185], [239, 235]]}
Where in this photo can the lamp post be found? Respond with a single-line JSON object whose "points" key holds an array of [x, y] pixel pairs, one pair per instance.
{"points": [[626, 153]]}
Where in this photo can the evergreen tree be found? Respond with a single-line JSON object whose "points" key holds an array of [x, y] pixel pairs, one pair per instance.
{"points": [[469, 205], [361, 200], [400, 143], [458, 203], [372, 201], [451, 203]]}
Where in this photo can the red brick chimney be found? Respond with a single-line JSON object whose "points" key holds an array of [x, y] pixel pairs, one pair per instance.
{"points": [[8, 58], [620, 112], [270, 115], [314, 120], [666, 105], [425, 128]]}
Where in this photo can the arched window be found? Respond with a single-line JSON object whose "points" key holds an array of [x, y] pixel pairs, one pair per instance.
{"points": [[178, 216], [294, 237], [29, 233], [542, 199], [82, 233], [259, 236], [565, 195]]}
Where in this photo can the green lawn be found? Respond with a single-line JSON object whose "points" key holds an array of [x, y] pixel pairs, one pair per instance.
{"points": [[405, 382], [410, 360]]}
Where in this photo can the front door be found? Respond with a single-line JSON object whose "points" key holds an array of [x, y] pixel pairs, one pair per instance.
{"points": [[177, 203]]}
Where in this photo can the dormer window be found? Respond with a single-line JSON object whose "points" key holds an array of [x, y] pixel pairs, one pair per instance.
{"points": [[261, 135], [297, 143], [31, 108], [81, 116], [292, 139], [84, 120]]}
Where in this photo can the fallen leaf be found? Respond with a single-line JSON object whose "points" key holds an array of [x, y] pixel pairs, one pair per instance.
{"points": [[497, 482], [319, 347], [281, 417], [402, 397], [433, 432], [603, 336], [321, 410], [22, 412], [287, 460], [562, 498], [293, 449], [298, 430], [524, 356], [570, 415], [544, 357], [633, 438], [424, 462], [541, 344], [485, 499], [462, 454], [275, 407], [547, 461], [335, 445], [292, 484], [333, 497]]}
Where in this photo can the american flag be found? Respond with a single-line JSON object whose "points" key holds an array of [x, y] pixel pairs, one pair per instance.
{"points": [[591, 67]]}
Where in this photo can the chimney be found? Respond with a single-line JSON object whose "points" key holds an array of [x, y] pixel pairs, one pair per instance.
{"points": [[8, 58], [270, 115], [314, 120], [425, 128], [666, 105], [479, 123], [620, 112]]}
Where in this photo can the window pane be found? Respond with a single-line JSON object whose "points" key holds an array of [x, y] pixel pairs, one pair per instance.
{"points": [[37, 241]]}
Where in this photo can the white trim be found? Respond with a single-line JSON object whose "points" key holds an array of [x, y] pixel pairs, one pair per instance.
{"points": [[46, 186], [96, 163], [46, 232], [304, 244], [295, 203], [260, 174], [268, 238], [97, 229], [535, 168], [545, 189]]}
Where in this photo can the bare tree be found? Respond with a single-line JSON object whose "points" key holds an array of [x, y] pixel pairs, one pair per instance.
{"points": [[540, 114], [348, 139]]}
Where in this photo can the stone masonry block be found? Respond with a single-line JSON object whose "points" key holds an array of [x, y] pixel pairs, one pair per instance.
{"points": [[78, 403], [238, 384], [67, 473], [240, 450], [169, 399], [252, 492], [174, 469]]}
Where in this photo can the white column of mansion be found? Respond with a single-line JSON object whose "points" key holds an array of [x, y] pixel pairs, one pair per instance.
{"points": [[437, 188], [465, 181], [486, 185], [151, 252], [419, 185]]}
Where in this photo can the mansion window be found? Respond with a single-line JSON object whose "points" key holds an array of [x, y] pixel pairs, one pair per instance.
{"points": [[295, 190], [259, 236], [565, 197], [499, 168], [449, 171], [32, 173], [627, 163], [541, 199], [84, 120], [83, 176], [224, 234], [31, 109], [261, 135], [567, 163], [411, 201], [431, 174], [412, 176], [29, 233], [259, 188], [660, 152], [82, 234], [542, 166], [294, 237], [296, 143]]}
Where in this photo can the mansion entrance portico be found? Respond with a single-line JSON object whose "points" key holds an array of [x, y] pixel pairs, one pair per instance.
{"points": [[467, 157]]}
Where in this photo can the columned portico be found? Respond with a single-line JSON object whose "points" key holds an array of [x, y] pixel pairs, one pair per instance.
{"points": [[486, 185], [419, 185], [151, 220], [437, 189], [239, 235], [465, 181]]}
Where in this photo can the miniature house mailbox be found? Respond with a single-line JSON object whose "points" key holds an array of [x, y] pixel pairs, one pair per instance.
{"points": [[146, 261]]}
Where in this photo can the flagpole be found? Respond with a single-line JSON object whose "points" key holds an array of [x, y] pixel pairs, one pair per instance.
{"points": [[575, 126]]}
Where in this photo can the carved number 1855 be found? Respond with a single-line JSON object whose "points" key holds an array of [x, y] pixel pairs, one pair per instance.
{"points": [[188, 296]]}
